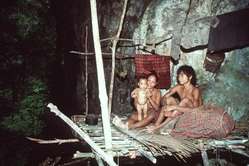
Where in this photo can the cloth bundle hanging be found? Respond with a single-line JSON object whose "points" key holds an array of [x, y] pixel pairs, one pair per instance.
{"points": [[160, 64], [213, 61]]}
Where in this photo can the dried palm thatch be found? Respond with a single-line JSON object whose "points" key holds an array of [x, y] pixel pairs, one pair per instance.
{"points": [[161, 145]]}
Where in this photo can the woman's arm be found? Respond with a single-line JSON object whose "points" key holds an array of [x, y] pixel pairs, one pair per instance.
{"points": [[195, 102], [179, 108], [155, 99], [197, 98], [171, 91]]}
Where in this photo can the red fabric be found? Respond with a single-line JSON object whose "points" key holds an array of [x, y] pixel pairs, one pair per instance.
{"points": [[204, 122], [160, 64]]}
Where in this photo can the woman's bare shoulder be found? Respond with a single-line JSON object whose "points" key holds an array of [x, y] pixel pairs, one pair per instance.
{"points": [[156, 92], [196, 90]]}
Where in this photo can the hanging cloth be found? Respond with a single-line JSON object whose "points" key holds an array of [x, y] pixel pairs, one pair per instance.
{"points": [[145, 63]]}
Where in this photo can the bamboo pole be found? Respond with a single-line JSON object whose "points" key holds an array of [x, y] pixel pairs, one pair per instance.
{"points": [[115, 42], [203, 154], [99, 160], [101, 78], [55, 141], [83, 135], [118, 55], [86, 71], [148, 155], [113, 38]]}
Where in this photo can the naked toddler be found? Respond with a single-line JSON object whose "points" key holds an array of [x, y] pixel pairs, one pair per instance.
{"points": [[140, 95]]}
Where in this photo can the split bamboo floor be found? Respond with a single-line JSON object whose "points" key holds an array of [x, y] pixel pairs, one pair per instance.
{"points": [[123, 144]]}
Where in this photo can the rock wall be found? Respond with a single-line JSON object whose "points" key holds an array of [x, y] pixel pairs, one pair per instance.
{"points": [[188, 22], [110, 14], [229, 88]]}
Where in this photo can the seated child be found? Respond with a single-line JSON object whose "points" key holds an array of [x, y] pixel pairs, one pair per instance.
{"points": [[140, 95]]}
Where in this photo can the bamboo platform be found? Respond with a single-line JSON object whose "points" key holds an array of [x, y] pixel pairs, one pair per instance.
{"points": [[144, 144], [122, 144]]}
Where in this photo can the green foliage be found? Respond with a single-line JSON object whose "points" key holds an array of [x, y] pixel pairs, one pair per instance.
{"points": [[27, 48], [27, 120], [26, 22], [28, 31], [28, 34]]}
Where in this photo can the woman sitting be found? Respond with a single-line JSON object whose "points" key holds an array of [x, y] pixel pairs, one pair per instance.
{"points": [[154, 97], [194, 120], [189, 95]]}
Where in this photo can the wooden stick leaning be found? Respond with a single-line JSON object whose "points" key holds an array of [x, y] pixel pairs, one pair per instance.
{"points": [[101, 77], [55, 141], [108, 158], [115, 42]]}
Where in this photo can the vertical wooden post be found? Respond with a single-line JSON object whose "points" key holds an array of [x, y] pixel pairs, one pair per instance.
{"points": [[203, 154], [86, 71], [114, 45], [101, 78]]}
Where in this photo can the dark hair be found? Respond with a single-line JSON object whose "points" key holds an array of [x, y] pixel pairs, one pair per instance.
{"points": [[153, 73], [189, 71], [141, 77]]}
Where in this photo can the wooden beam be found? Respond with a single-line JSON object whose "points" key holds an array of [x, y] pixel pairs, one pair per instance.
{"points": [[86, 72], [55, 141], [204, 155], [99, 160], [114, 47], [118, 56], [105, 55], [106, 157], [101, 77], [148, 155]]}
